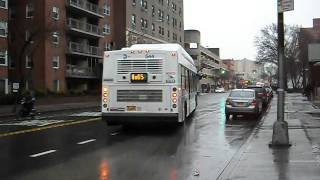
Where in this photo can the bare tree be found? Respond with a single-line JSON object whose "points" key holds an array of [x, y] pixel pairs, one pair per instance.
{"points": [[267, 51]]}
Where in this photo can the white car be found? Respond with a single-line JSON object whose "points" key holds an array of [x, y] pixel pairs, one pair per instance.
{"points": [[219, 90]]}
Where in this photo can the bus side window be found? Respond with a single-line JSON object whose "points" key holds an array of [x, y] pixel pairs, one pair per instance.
{"points": [[187, 80], [183, 83]]}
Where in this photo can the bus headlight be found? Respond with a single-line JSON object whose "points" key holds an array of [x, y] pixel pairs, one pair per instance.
{"points": [[105, 100]]}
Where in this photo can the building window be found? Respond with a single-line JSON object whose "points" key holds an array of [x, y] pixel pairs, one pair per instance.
{"points": [[28, 37], [28, 61], [55, 13], [106, 29], [3, 58], [12, 13], [144, 23], [161, 2], [160, 14], [56, 85], [108, 46], [133, 19], [133, 2], [29, 10], [3, 29], [4, 86], [55, 62], [153, 27], [168, 19], [106, 10], [4, 4], [168, 34], [153, 11], [168, 3], [145, 4], [55, 38]]}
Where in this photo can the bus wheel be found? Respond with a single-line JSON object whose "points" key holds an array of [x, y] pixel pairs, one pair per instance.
{"points": [[185, 111]]}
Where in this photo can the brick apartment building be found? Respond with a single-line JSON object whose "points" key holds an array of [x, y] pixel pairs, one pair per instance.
{"points": [[147, 21], [3, 47], [58, 45], [307, 38]]}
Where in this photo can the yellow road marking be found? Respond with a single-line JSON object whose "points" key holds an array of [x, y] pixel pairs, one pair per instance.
{"points": [[48, 127]]}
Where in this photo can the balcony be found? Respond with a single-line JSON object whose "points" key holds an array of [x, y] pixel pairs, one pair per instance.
{"points": [[209, 63], [84, 28], [84, 50], [85, 6], [74, 71]]}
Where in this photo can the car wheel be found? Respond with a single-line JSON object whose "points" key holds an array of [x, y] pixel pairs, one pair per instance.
{"points": [[228, 116]]}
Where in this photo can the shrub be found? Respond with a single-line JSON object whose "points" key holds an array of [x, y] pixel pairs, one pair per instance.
{"points": [[7, 99]]}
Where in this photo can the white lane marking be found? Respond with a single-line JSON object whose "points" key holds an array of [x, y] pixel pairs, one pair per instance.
{"points": [[87, 141], [86, 114], [39, 123], [114, 133], [43, 153]]}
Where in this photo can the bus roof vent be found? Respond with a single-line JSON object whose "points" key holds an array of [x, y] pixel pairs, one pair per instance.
{"points": [[152, 66]]}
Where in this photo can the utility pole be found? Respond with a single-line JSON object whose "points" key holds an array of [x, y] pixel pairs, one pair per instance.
{"points": [[280, 136]]}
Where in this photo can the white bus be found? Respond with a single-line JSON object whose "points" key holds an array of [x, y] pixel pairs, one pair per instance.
{"points": [[149, 82]]}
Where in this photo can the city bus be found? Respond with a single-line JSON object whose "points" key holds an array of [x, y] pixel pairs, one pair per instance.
{"points": [[148, 82]]}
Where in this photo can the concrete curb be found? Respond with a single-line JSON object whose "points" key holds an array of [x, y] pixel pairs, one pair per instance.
{"points": [[235, 160]]}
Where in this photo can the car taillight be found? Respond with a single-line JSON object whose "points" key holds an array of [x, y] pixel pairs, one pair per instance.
{"points": [[254, 103]]}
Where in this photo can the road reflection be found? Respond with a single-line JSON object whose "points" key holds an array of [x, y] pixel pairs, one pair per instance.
{"points": [[222, 113], [104, 170]]}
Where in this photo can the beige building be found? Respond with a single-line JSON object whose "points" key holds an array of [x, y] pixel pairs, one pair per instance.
{"points": [[247, 69], [207, 60]]}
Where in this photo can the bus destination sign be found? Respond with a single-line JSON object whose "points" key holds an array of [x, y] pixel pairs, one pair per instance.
{"points": [[139, 77]]}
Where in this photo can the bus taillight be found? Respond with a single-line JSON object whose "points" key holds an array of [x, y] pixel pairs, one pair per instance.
{"points": [[174, 97], [105, 96]]}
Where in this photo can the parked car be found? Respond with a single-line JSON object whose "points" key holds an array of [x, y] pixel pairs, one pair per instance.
{"points": [[261, 92], [243, 101], [219, 90]]}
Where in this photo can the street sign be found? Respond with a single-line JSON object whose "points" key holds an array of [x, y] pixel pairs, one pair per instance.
{"points": [[15, 87], [285, 5]]}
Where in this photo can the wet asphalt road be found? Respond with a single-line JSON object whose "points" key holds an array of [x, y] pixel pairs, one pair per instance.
{"points": [[200, 149]]}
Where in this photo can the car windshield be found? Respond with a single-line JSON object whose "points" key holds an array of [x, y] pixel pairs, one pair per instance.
{"points": [[243, 94]]}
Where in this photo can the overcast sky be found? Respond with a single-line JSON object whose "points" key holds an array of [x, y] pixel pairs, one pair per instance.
{"points": [[232, 25]]}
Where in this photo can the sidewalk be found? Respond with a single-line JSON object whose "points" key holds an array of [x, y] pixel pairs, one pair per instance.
{"points": [[301, 161], [52, 104]]}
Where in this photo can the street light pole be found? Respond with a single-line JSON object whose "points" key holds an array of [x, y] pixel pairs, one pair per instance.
{"points": [[280, 136]]}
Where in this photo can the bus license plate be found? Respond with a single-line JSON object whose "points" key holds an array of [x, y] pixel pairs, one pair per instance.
{"points": [[131, 108]]}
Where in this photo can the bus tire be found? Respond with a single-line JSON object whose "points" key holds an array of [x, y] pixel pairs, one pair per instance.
{"points": [[196, 100], [185, 111]]}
